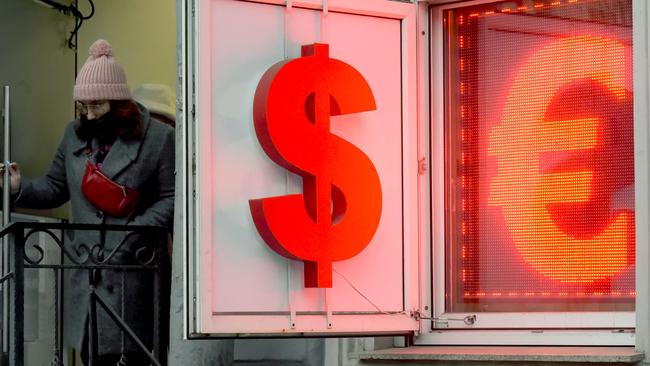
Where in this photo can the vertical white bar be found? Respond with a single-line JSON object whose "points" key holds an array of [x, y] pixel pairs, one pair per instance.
{"points": [[204, 183], [641, 43], [437, 162], [182, 213], [412, 180], [424, 196], [184, 161]]}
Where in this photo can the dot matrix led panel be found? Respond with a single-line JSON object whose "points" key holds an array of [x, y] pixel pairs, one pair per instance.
{"points": [[540, 168]]}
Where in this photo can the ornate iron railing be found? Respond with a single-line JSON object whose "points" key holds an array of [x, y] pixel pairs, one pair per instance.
{"points": [[150, 253]]}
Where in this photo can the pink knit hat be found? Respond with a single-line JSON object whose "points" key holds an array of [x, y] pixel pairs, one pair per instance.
{"points": [[101, 77]]}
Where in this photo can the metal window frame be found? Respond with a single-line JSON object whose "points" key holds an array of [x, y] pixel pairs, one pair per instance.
{"points": [[188, 220], [607, 328], [641, 36]]}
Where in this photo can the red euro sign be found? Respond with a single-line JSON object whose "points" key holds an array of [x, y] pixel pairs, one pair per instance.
{"points": [[529, 197], [338, 213]]}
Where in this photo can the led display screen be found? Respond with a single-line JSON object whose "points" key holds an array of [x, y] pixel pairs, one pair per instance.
{"points": [[539, 165]]}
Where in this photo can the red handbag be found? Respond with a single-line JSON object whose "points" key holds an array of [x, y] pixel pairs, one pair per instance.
{"points": [[107, 195]]}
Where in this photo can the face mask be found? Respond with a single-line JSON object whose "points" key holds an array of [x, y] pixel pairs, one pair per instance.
{"points": [[94, 110]]}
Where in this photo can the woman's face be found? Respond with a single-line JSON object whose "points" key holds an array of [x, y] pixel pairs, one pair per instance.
{"points": [[94, 109]]}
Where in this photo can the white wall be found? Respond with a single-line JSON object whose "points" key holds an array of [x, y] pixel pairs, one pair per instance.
{"points": [[641, 137], [272, 352]]}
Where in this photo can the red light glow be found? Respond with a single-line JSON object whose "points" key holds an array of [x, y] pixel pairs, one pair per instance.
{"points": [[524, 193], [541, 173]]}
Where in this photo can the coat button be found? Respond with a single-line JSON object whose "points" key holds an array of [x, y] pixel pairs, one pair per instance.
{"points": [[100, 215]]}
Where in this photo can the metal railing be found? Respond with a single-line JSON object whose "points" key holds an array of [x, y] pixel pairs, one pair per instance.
{"points": [[148, 248]]}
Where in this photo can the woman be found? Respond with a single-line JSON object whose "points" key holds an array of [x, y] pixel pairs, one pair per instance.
{"points": [[117, 137]]}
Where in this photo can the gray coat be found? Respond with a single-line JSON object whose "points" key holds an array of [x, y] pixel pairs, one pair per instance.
{"points": [[146, 165]]}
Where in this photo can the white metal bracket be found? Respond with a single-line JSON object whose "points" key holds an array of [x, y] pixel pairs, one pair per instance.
{"points": [[468, 320], [329, 319], [422, 166], [328, 311], [292, 319]]}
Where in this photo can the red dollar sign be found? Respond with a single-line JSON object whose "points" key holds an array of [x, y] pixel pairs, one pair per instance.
{"points": [[339, 212]]}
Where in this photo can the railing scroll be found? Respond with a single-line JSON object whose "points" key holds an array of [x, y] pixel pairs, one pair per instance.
{"points": [[150, 253]]}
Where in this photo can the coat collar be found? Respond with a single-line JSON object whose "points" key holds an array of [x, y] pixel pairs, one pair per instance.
{"points": [[122, 153]]}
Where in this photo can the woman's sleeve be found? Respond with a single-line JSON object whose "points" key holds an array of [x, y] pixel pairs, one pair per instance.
{"points": [[48, 191], [161, 212]]}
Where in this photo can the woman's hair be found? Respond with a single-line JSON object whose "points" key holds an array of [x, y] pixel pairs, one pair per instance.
{"points": [[125, 116], [124, 120]]}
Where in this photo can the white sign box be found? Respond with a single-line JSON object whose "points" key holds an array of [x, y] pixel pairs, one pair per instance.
{"points": [[240, 286]]}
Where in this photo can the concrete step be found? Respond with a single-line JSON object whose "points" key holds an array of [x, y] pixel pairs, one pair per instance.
{"points": [[510, 356]]}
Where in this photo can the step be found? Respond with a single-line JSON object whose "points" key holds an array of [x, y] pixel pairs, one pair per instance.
{"points": [[497, 355]]}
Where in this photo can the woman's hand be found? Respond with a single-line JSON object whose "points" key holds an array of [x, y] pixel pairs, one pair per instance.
{"points": [[14, 177]]}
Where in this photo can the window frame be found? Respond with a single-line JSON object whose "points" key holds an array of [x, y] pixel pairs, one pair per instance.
{"points": [[543, 328]]}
